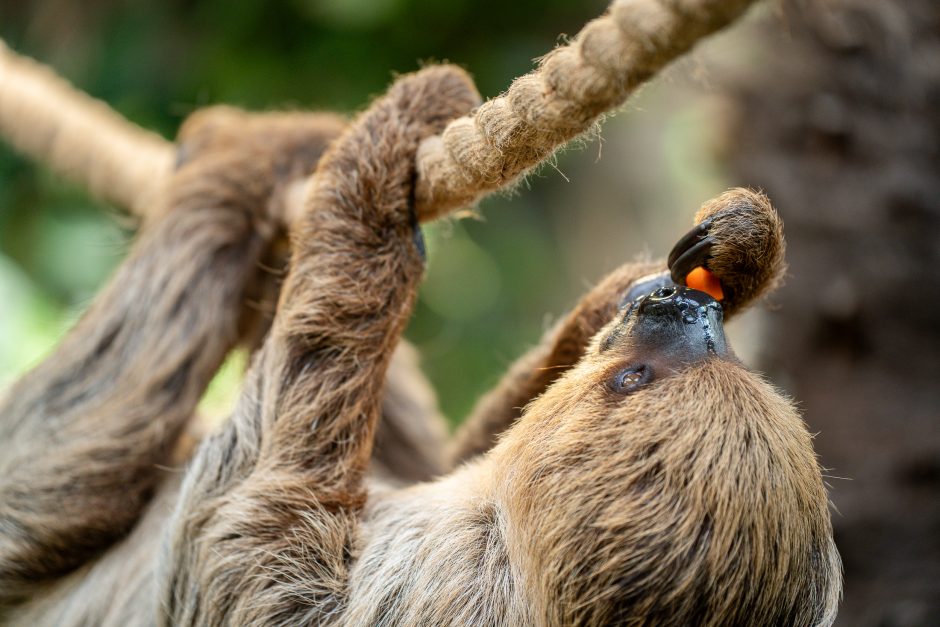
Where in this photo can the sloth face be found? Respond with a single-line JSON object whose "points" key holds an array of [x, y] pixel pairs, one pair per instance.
{"points": [[666, 330], [660, 480]]}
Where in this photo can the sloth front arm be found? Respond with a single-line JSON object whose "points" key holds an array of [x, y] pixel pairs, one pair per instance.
{"points": [[264, 529]]}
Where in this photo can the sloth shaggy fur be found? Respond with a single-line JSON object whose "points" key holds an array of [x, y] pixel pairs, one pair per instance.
{"points": [[695, 500]]}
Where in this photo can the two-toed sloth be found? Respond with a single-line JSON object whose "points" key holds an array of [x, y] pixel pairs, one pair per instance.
{"points": [[627, 470]]}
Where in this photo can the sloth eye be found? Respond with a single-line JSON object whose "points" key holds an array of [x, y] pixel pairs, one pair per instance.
{"points": [[631, 379]]}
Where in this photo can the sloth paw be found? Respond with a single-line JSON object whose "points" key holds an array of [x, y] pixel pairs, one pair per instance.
{"points": [[738, 238]]}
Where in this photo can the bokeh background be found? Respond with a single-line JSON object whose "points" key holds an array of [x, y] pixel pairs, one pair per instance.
{"points": [[831, 106]]}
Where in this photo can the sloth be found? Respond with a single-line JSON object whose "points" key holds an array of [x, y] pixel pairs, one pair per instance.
{"points": [[627, 470]]}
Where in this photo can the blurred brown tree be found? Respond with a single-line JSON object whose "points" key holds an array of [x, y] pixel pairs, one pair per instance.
{"points": [[841, 127]]}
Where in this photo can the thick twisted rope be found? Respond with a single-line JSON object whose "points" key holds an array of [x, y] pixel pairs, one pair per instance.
{"points": [[573, 86], [46, 118], [79, 137]]}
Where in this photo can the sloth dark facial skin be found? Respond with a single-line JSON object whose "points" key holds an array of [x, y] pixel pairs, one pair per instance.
{"points": [[667, 329]]}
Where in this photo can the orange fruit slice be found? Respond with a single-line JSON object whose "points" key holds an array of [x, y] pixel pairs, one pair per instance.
{"points": [[703, 280]]}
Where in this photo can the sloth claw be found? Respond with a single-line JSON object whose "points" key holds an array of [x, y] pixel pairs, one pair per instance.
{"points": [[691, 251], [697, 233]]}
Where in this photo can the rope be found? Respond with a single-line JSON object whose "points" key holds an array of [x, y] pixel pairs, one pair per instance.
{"points": [[572, 87], [79, 137], [82, 138]]}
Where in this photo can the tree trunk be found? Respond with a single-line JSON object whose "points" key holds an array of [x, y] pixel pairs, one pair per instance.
{"points": [[841, 127]]}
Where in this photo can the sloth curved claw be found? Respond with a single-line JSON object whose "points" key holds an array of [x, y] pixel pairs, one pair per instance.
{"points": [[691, 251]]}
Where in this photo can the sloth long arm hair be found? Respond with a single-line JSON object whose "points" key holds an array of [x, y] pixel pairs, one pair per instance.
{"points": [[264, 528]]}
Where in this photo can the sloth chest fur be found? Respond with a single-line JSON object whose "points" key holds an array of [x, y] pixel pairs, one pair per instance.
{"points": [[435, 554]]}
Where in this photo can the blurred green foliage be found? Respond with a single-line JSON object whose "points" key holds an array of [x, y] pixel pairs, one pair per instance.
{"points": [[491, 284]]}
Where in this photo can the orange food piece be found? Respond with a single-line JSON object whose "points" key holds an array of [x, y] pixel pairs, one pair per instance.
{"points": [[703, 280]]}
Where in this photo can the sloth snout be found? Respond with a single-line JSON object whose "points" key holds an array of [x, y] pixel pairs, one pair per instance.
{"points": [[685, 324]]}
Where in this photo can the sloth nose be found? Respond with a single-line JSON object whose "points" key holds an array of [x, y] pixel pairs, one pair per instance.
{"points": [[678, 300], [685, 320]]}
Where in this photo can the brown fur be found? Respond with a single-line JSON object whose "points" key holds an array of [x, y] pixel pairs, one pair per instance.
{"points": [[560, 349], [113, 399], [749, 249], [695, 500], [748, 258]]}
